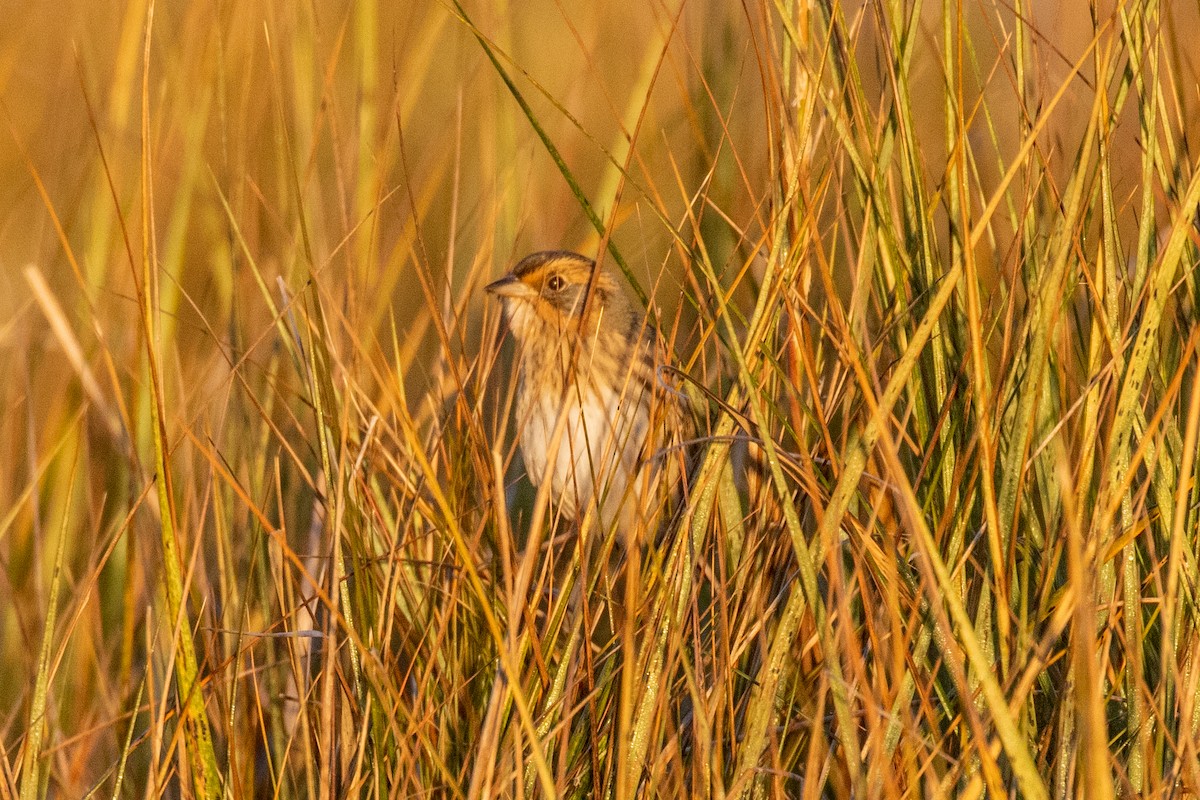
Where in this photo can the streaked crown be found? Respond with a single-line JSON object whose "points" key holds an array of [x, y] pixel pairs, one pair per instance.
{"points": [[554, 290]]}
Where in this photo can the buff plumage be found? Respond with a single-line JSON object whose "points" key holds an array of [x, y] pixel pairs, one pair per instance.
{"points": [[595, 414]]}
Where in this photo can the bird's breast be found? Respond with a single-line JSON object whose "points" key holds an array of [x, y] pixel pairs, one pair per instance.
{"points": [[597, 451]]}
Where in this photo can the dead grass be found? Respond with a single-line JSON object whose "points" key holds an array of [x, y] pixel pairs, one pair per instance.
{"points": [[263, 527]]}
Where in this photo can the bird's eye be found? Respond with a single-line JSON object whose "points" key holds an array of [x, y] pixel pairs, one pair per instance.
{"points": [[555, 283]]}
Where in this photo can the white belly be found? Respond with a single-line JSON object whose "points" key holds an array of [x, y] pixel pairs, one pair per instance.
{"points": [[598, 453]]}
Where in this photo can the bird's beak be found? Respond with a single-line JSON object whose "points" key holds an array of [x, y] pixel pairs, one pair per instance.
{"points": [[508, 286]]}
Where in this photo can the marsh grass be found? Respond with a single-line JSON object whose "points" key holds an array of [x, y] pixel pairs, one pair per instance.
{"points": [[264, 528]]}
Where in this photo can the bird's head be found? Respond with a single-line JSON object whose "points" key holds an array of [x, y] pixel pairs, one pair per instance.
{"points": [[557, 292]]}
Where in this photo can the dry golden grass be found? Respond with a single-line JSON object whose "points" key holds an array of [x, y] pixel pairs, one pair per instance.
{"points": [[263, 530]]}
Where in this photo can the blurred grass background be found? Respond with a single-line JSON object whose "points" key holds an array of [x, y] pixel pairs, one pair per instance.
{"points": [[262, 527]]}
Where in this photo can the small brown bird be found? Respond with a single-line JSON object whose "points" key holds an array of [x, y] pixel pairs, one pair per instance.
{"points": [[585, 356]]}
